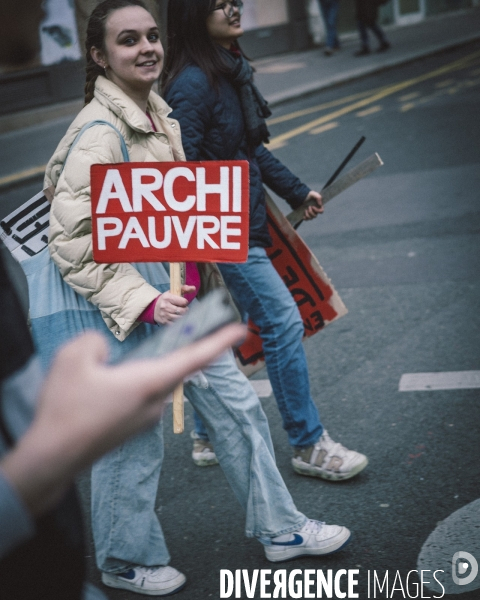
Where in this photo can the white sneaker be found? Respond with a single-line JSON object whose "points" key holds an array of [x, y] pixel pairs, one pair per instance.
{"points": [[151, 581], [329, 460], [314, 539], [203, 453]]}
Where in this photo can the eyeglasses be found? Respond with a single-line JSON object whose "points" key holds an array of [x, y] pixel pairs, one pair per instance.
{"points": [[229, 8]]}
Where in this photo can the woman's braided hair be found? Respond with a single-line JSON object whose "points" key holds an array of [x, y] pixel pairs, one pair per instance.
{"points": [[96, 38]]}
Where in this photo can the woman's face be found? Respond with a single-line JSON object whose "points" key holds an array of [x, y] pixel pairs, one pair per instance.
{"points": [[222, 29], [133, 51]]}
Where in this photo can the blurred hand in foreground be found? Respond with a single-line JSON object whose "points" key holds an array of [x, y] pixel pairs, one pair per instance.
{"points": [[88, 407]]}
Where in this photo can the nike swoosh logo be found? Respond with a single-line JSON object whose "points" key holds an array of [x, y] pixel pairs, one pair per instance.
{"points": [[297, 540]]}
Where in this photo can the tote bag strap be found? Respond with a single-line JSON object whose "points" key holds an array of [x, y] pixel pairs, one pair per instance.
{"points": [[49, 192], [123, 145]]}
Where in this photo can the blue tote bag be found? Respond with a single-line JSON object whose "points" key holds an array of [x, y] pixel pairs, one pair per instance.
{"points": [[58, 313]]}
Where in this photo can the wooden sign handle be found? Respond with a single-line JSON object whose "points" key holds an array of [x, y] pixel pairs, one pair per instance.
{"points": [[178, 410]]}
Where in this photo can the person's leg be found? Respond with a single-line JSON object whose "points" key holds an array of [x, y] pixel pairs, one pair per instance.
{"points": [[380, 35], [239, 432], [126, 529], [129, 544], [362, 30], [199, 427], [329, 9], [335, 7], [370, 19], [325, 11], [260, 291], [203, 454]]}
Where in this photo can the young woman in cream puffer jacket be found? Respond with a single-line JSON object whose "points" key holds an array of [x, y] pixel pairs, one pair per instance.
{"points": [[130, 548], [118, 290]]}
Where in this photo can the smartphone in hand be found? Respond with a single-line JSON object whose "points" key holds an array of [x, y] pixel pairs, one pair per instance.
{"points": [[202, 318]]}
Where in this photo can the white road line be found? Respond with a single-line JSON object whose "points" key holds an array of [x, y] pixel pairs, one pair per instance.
{"points": [[262, 387], [449, 380]]}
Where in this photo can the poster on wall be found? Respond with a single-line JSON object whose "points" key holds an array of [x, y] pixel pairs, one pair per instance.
{"points": [[58, 32]]}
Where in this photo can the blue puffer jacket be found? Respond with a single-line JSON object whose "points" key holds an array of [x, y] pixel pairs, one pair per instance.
{"points": [[213, 129]]}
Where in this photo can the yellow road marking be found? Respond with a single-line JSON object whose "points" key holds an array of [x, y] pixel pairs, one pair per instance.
{"points": [[445, 83], [281, 68], [369, 111], [324, 106], [408, 97], [388, 91], [440, 92], [325, 127], [278, 145], [14, 177], [472, 82]]}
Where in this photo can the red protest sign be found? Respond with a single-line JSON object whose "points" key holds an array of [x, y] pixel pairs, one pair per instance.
{"points": [[170, 212]]}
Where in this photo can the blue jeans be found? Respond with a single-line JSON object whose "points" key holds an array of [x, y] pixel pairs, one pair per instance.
{"points": [[126, 529], [329, 10], [259, 291]]}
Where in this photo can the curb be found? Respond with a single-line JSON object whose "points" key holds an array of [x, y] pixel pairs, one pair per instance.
{"points": [[361, 72]]}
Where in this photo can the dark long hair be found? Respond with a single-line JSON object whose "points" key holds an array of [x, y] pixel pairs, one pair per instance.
{"points": [[96, 38], [188, 41]]}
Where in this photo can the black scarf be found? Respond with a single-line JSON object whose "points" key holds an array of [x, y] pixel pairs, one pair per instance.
{"points": [[254, 106]]}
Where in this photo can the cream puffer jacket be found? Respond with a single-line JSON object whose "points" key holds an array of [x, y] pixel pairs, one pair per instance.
{"points": [[118, 290]]}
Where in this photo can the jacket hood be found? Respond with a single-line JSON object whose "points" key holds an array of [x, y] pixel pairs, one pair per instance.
{"points": [[112, 97]]}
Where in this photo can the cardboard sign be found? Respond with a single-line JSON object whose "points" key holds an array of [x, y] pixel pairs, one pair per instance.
{"points": [[316, 298], [170, 212]]}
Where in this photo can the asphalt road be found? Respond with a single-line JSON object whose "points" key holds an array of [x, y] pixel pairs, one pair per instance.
{"points": [[402, 249]]}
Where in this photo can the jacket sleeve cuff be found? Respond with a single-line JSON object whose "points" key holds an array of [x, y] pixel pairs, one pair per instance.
{"points": [[16, 523]]}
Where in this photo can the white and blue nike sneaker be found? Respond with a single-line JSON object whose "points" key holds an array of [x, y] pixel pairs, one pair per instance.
{"points": [[313, 539], [151, 581]]}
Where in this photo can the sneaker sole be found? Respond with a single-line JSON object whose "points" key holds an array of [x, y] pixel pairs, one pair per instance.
{"points": [[114, 582], [310, 471], [285, 554]]}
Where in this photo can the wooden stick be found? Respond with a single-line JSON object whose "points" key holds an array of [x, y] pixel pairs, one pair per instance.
{"points": [[340, 185], [340, 169], [345, 161], [178, 409]]}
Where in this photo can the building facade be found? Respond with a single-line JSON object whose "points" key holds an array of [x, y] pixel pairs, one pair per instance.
{"points": [[271, 27]]}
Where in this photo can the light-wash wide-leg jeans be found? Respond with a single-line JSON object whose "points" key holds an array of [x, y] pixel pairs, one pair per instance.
{"points": [[126, 528]]}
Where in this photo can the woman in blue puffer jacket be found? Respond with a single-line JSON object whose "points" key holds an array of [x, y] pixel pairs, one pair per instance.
{"points": [[208, 83]]}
